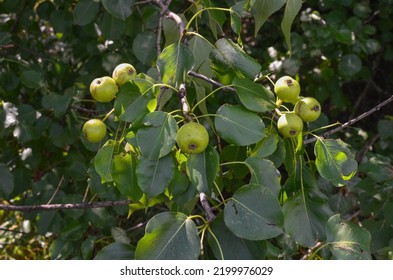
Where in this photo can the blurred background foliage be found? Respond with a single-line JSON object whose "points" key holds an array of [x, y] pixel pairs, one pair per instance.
{"points": [[50, 51]]}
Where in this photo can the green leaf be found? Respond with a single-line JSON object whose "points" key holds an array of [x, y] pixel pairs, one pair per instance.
{"points": [[227, 246], [254, 213], [155, 175], [130, 104], [169, 236], [57, 103], [236, 25], [334, 161], [121, 9], [6, 182], [174, 62], [263, 9], [292, 8], [32, 79], [264, 173], [239, 126], [216, 17], [343, 36], [158, 137], [306, 212], [349, 65], [229, 56], [103, 161], [116, 251], [85, 11], [267, 146], [144, 47], [202, 169], [254, 97], [381, 231], [200, 50], [124, 176], [347, 241], [112, 27]]}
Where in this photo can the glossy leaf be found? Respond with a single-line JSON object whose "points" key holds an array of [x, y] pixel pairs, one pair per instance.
{"points": [[158, 137], [347, 241], [200, 50], [263, 9], [306, 214], [121, 9], [292, 8], [254, 213], [154, 175], [236, 25], [254, 97], [307, 211], [264, 173], [85, 11], [169, 236], [124, 176], [334, 161], [103, 161], [267, 146], [239, 126], [131, 104], [144, 47], [116, 251], [227, 246], [202, 169], [228, 56], [174, 62]]}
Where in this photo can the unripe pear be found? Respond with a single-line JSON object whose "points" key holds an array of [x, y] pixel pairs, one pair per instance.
{"points": [[123, 73], [94, 130], [290, 125], [308, 109], [287, 89], [103, 89], [192, 138]]}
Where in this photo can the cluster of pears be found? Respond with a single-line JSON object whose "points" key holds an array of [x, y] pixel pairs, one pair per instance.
{"points": [[192, 137], [104, 89], [306, 109]]}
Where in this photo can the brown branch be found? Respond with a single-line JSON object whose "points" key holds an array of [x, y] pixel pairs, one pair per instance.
{"points": [[206, 207], [352, 121], [47, 207], [172, 15], [210, 81], [185, 107]]}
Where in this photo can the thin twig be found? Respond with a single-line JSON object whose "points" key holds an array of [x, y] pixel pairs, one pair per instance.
{"points": [[352, 121], [310, 251], [45, 207], [210, 81], [56, 190]]}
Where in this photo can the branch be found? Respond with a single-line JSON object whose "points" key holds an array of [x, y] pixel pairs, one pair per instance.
{"points": [[352, 121], [206, 207], [172, 15], [46, 207], [210, 81], [184, 103]]}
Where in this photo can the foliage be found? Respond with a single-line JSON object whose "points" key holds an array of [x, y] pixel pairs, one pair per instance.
{"points": [[252, 194]]}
